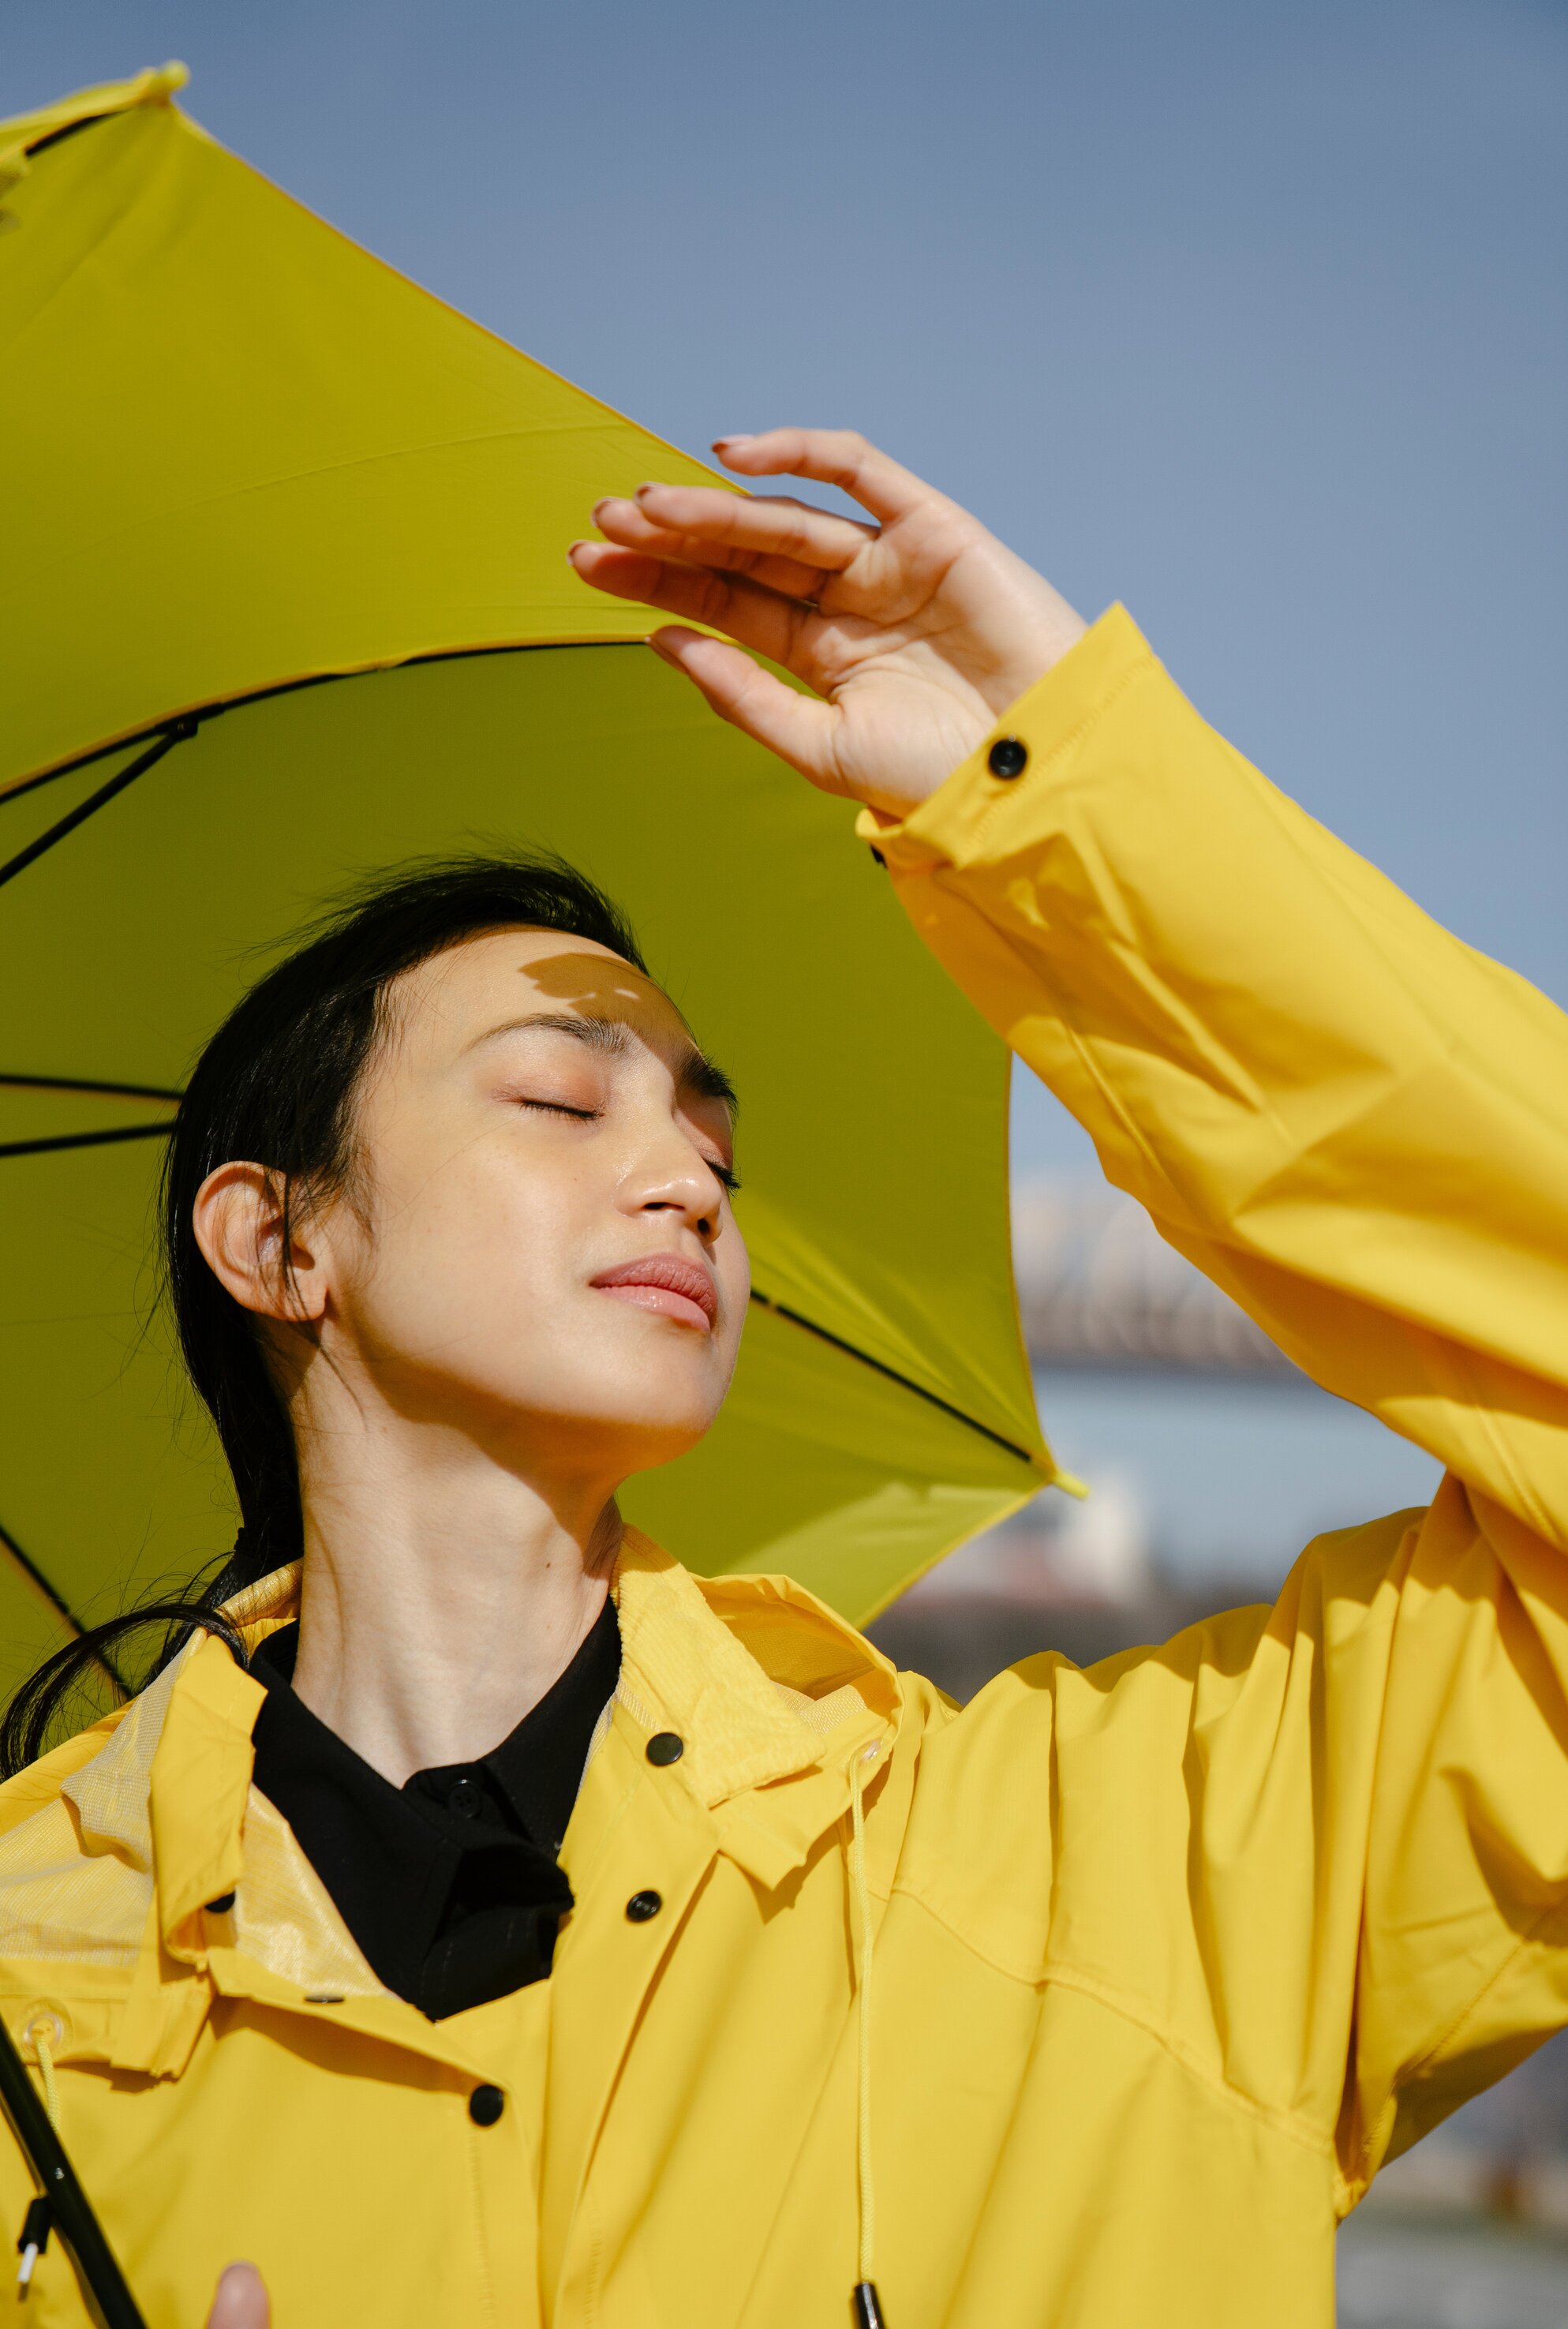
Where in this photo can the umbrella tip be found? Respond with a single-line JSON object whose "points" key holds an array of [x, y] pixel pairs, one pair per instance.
{"points": [[159, 82]]}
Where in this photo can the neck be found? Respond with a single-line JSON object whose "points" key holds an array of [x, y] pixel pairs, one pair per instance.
{"points": [[443, 1591]]}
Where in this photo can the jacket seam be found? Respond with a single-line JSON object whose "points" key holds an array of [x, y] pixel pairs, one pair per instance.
{"points": [[1319, 2142], [1087, 1064]]}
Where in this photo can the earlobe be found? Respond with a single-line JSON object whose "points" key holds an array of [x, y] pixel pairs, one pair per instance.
{"points": [[239, 1223]]}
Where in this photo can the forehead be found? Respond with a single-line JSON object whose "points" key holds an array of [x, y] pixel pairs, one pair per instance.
{"points": [[499, 977]]}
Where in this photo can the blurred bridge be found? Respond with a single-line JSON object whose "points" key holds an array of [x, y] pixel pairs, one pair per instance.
{"points": [[1100, 1290]]}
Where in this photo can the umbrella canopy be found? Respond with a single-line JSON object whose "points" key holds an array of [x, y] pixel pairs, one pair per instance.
{"points": [[285, 599]]}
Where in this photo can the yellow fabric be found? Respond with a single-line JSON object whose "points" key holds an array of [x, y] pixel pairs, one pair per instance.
{"points": [[296, 463], [1171, 1954], [153, 86]]}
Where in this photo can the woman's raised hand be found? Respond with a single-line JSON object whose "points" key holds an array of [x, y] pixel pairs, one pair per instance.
{"points": [[914, 634]]}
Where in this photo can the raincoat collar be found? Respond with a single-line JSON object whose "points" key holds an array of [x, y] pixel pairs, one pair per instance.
{"points": [[771, 1694]]}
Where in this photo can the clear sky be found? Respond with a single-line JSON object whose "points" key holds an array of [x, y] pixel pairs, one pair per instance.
{"points": [[1252, 314]]}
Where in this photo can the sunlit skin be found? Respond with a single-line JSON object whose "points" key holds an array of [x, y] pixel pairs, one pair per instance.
{"points": [[459, 1479]]}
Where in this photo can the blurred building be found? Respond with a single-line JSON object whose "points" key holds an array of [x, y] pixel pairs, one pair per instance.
{"points": [[1099, 1288]]}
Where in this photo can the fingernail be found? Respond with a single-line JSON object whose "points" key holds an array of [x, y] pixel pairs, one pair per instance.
{"points": [[651, 486], [572, 552], [743, 438]]}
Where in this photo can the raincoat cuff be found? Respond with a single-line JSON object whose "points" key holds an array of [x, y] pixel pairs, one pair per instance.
{"points": [[1054, 718]]}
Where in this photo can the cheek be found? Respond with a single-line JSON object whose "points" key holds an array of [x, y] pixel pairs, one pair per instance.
{"points": [[476, 1233], [734, 1266]]}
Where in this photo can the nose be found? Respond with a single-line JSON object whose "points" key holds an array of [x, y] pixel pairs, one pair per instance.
{"points": [[672, 1176]]}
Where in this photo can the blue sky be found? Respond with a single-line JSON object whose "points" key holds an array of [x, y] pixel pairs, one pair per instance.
{"points": [[1252, 315]]}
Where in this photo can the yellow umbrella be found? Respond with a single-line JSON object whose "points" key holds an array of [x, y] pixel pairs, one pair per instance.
{"points": [[285, 596]]}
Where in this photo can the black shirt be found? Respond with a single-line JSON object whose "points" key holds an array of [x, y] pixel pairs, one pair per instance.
{"points": [[449, 1884]]}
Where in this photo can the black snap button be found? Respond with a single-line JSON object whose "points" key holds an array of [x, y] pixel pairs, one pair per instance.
{"points": [[644, 1905], [1008, 757], [463, 1797], [221, 1906], [666, 1747], [485, 2104]]}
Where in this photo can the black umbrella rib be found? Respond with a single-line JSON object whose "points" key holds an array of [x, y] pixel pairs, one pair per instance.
{"points": [[68, 824], [20, 1082], [880, 1366], [62, 1607], [84, 1139], [59, 1604], [215, 711]]}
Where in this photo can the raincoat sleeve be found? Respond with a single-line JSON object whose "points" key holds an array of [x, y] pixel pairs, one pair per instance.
{"points": [[1340, 1867]]}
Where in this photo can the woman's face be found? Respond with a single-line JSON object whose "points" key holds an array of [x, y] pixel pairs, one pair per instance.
{"points": [[539, 1247]]}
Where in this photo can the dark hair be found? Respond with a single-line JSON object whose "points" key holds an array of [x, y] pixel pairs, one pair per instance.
{"points": [[277, 1084]]}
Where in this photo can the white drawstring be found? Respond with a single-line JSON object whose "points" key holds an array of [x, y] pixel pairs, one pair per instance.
{"points": [[867, 2306], [40, 2220], [38, 2034]]}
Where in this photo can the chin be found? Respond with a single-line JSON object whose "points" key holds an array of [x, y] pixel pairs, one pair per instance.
{"points": [[665, 1425], [625, 1419]]}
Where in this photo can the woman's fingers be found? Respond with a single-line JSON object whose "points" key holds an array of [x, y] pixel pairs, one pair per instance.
{"points": [[241, 2300], [772, 525], [627, 524], [801, 729], [773, 626], [830, 456]]}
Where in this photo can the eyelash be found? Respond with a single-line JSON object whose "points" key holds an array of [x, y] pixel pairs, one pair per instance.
{"points": [[726, 1175], [560, 1108]]}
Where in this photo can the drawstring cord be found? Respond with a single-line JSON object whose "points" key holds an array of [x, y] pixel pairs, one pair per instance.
{"points": [[39, 2034], [867, 2308], [40, 2220]]}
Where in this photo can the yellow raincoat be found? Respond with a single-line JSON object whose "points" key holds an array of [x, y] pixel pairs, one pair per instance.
{"points": [[1170, 1955]]}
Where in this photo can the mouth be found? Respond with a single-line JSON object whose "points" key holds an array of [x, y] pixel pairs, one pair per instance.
{"points": [[666, 1285]]}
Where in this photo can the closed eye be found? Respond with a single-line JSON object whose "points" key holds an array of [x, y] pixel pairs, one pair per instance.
{"points": [[726, 1175], [560, 1108]]}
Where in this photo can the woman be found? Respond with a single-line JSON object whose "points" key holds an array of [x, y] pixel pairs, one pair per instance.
{"points": [[1099, 2001]]}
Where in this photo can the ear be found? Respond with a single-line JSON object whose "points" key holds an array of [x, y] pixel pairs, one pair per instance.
{"points": [[238, 1220]]}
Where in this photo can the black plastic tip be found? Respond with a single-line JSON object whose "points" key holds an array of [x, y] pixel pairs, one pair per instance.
{"points": [[36, 2227], [866, 2306]]}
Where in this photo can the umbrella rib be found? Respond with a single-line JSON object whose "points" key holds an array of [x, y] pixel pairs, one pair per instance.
{"points": [[880, 1366], [68, 824], [216, 706], [57, 1602], [85, 1084], [84, 1139]]}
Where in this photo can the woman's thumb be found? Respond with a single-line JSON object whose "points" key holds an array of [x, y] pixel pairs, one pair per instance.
{"points": [[241, 2300]]}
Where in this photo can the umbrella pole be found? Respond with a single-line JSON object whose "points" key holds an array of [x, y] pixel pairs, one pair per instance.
{"points": [[63, 2204]]}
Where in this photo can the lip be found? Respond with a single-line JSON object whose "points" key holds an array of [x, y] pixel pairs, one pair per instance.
{"points": [[666, 1285]]}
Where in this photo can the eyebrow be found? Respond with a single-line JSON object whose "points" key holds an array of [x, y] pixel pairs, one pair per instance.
{"points": [[695, 1072]]}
